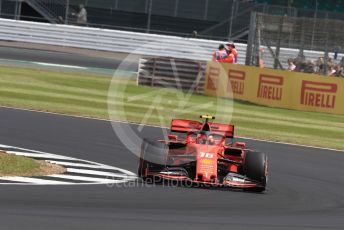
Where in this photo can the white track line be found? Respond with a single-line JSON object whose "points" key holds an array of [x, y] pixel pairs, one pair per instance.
{"points": [[58, 65], [75, 164], [84, 178], [91, 169], [90, 165], [99, 173], [34, 180], [155, 126], [40, 155]]}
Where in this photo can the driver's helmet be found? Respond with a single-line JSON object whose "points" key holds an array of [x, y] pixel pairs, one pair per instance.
{"points": [[211, 140], [201, 138]]}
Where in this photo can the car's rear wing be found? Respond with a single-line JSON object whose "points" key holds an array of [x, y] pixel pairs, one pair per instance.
{"points": [[183, 126], [227, 130]]}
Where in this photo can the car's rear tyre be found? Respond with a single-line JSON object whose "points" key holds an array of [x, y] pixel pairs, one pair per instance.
{"points": [[152, 158], [256, 168]]}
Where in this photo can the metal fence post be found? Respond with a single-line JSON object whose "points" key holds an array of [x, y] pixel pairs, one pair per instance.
{"points": [[326, 56], [314, 22], [206, 5], [18, 10], [257, 53], [302, 39], [15, 11], [150, 2], [146, 6], [231, 20], [67, 12], [251, 37], [0, 7], [265, 8], [278, 46], [176, 8]]}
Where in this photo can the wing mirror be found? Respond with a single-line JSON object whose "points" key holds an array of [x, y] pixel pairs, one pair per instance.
{"points": [[172, 137], [241, 145]]}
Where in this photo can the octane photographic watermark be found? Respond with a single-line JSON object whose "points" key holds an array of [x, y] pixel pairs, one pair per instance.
{"points": [[155, 182]]}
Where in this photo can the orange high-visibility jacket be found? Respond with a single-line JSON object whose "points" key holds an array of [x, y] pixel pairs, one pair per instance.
{"points": [[230, 59], [235, 53]]}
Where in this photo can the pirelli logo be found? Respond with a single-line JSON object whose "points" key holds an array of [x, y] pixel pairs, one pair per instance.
{"points": [[213, 78], [270, 87], [236, 81], [318, 94]]}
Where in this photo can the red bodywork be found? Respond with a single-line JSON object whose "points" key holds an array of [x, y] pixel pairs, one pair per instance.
{"points": [[209, 161]]}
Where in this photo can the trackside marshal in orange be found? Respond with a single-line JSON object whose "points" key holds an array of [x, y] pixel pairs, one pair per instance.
{"points": [[276, 88]]}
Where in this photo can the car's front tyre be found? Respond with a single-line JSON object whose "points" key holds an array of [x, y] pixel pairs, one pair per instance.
{"points": [[152, 158], [256, 168]]}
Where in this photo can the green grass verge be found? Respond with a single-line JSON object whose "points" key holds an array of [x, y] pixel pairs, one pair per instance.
{"points": [[12, 165], [82, 94]]}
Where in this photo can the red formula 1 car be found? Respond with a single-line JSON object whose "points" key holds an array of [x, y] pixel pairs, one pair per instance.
{"points": [[203, 153]]}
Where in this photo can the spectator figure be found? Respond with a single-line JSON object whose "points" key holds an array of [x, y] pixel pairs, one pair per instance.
{"points": [[291, 65], [81, 17], [194, 34], [339, 71], [230, 58], [232, 50], [331, 70], [330, 61], [320, 65], [221, 54], [342, 62], [310, 67], [300, 58], [60, 19], [300, 62]]}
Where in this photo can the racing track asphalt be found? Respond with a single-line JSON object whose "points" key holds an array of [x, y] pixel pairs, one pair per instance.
{"points": [[305, 188], [63, 58]]}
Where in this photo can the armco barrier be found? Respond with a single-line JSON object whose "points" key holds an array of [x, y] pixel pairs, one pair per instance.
{"points": [[128, 42], [275, 88], [110, 40], [180, 74]]}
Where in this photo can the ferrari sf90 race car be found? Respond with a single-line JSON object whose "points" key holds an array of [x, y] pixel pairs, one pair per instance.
{"points": [[203, 153]]}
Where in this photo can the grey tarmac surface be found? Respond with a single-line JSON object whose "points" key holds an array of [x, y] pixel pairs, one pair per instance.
{"points": [[305, 186], [83, 59]]}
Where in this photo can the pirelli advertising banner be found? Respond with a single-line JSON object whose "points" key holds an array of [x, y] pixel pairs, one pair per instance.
{"points": [[276, 88]]}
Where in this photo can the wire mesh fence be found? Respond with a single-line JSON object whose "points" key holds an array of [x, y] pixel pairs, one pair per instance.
{"points": [[302, 33], [220, 19]]}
